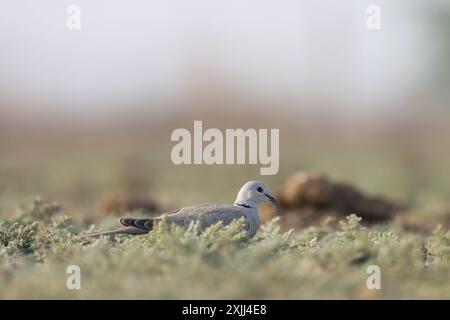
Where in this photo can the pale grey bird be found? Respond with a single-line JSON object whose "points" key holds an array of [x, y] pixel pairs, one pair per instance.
{"points": [[246, 206]]}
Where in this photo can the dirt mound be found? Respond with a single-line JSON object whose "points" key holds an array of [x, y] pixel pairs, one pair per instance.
{"points": [[446, 220], [308, 199]]}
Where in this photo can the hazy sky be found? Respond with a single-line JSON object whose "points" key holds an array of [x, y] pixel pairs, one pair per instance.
{"points": [[132, 50]]}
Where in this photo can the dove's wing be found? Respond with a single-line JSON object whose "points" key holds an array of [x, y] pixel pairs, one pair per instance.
{"points": [[206, 214]]}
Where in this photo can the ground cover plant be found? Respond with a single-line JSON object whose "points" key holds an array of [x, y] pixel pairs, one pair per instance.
{"points": [[37, 245]]}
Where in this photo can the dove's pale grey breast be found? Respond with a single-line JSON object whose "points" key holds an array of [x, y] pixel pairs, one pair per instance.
{"points": [[209, 214]]}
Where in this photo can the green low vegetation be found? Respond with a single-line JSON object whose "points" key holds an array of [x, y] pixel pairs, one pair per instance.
{"points": [[37, 245]]}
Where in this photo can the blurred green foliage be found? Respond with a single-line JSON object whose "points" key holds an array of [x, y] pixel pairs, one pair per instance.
{"points": [[171, 263]]}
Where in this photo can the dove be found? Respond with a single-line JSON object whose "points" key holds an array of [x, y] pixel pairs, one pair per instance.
{"points": [[245, 206]]}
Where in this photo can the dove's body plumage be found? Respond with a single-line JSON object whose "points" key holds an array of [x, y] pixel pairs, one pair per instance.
{"points": [[206, 215]]}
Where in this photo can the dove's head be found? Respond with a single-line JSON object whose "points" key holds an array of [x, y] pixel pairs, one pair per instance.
{"points": [[254, 192]]}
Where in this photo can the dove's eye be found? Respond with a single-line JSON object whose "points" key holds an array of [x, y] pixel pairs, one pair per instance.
{"points": [[259, 189]]}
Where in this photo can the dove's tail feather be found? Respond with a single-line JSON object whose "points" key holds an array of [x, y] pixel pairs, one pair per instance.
{"points": [[129, 231]]}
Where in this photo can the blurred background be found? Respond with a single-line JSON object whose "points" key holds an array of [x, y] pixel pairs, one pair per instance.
{"points": [[86, 115]]}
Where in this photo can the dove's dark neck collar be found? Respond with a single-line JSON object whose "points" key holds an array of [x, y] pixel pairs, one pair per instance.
{"points": [[244, 205]]}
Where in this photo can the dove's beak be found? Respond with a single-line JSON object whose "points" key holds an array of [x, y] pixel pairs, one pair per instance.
{"points": [[272, 199]]}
